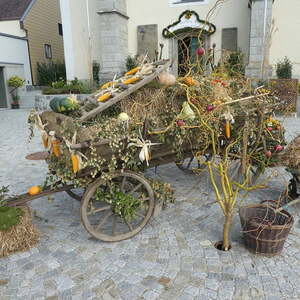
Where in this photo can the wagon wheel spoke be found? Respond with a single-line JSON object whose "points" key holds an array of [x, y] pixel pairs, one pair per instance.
{"points": [[123, 183], [189, 163], [135, 188], [103, 221], [113, 230], [129, 225], [140, 215], [94, 211]]}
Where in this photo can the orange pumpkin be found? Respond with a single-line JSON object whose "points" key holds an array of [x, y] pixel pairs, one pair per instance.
{"points": [[34, 190], [190, 81]]}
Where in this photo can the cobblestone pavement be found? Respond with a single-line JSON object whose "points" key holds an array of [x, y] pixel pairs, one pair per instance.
{"points": [[172, 258]]}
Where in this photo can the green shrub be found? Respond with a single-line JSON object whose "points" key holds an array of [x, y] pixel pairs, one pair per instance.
{"points": [[50, 72], [235, 65], [130, 63], [284, 69], [73, 87], [9, 217], [96, 70], [15, 82]]}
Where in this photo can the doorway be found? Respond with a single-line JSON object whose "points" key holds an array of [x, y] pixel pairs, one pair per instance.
{"points": [[187, 57], [3, 98]]}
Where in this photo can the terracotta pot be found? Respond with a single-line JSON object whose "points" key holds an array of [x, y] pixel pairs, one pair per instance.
{"points": [[15, 105]]}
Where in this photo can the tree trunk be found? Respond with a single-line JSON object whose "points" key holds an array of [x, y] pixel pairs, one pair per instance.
{"points": [[226, 232]]}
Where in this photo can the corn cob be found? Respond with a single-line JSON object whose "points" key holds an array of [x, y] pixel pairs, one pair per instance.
{"points": [[133, 71], [227, 129], [75, 163], [104, 97], [106, 85], [131, 80], [56, 148]]}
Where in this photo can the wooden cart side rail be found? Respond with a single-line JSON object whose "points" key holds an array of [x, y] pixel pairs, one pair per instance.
{"points": [[24, 198]]}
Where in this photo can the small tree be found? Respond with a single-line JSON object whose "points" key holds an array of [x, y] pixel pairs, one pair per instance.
{"points": [[284, 69], [15, 82]]}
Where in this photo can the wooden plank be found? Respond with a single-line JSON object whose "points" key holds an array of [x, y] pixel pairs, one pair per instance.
{"points": [[24, 198], [102, 106]]}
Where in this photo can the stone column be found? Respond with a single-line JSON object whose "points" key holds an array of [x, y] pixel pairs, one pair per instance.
{"points": [[113, 34], [261, 21]]}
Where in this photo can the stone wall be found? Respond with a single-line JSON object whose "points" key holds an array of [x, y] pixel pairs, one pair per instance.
{"points": [[259, 36], [113, 34]]}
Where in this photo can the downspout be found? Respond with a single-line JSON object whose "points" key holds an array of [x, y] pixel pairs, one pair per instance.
{"points": [[89, 40], [264, 40]]}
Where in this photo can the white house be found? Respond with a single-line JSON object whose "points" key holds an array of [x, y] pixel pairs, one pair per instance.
{"points": [[14, 61], [106, 31]]}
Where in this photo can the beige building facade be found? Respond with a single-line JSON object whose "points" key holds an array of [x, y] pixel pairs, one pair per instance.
{"points": [[107, 31], [39, 21]]}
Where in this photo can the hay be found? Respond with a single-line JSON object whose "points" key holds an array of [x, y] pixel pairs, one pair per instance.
{"points": [[20, 237], [290, 157]]}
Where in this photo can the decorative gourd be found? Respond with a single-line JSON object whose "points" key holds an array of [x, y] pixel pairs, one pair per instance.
{"points": [[34, 190], [167, 79], [190, 81], [60, 105], [131, 80], [104, 97], [133, 71]]}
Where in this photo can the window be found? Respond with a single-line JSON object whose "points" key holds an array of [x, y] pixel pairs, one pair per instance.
{"points": [[60, 29], [48, 51], [230, 39]]}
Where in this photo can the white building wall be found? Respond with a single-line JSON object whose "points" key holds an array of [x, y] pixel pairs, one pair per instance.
{"points": [[233, 13], [12, 28], [14, 58], [286, 38]]}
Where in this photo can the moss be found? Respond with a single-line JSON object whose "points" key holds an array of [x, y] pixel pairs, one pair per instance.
{"points": [[9, 217]]}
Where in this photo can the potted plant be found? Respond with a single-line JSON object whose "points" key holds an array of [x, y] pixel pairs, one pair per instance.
{"points": [[15, 82]]}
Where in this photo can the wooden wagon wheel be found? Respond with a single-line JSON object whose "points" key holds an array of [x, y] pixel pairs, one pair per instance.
{"points": [[99, 217], [186, 165]]}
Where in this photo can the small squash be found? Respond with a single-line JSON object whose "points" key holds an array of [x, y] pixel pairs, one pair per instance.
{"points": [[34, 190], [104, 97], [166, 78], [190, 81], [131, 80], [133, 71]]}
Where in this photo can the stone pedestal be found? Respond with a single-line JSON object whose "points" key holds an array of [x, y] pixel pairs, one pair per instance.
{"points": [[261, 19], [113, 34]]}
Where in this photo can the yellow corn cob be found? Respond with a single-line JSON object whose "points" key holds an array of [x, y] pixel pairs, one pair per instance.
{"points": [[131, 80], [56, 148], [133, 71], [75, 163], [106, 85], [227, 129], [104, 97]]}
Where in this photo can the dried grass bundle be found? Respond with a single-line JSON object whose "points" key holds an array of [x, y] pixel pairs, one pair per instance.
{"points": [[290, 157], [20, 237]]}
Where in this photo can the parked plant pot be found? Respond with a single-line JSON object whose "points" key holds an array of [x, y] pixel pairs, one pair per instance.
{"points": [[15, 105], [264, 229]]}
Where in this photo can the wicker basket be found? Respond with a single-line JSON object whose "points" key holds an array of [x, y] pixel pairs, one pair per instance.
{"points": [[264, 230]]}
